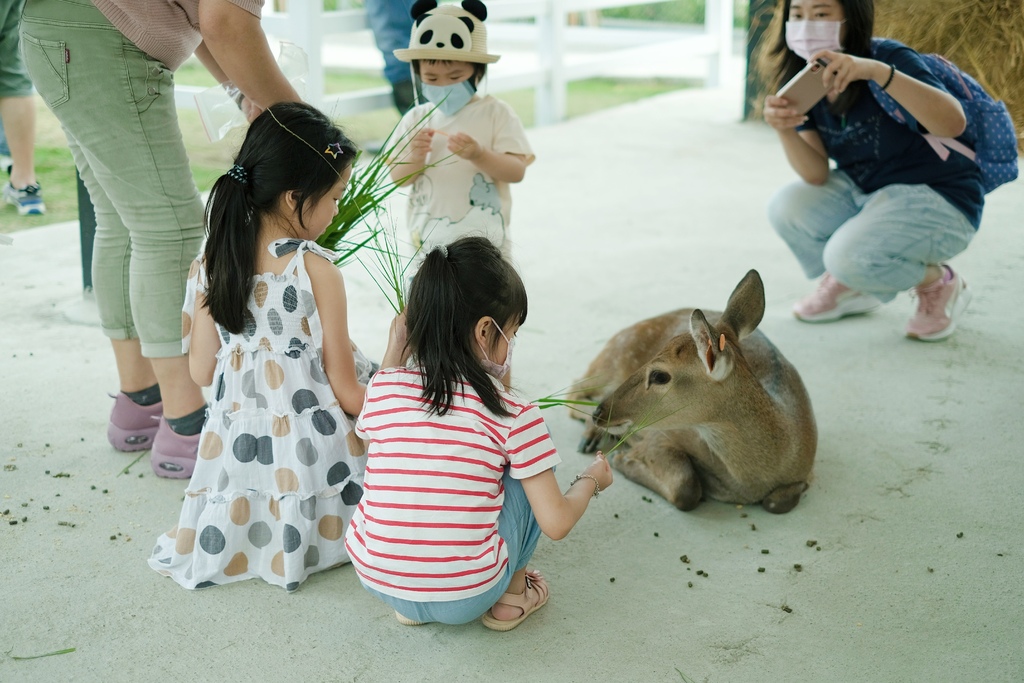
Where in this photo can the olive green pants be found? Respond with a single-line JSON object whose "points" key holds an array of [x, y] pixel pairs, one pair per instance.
{"points": [[116, 106]]}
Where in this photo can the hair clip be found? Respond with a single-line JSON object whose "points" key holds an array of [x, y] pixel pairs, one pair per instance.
{"points": [[334, 149], [238, 174], [444, 250]]}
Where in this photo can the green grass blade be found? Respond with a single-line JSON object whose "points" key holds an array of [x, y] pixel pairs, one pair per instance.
{"points": [[48, 654]]}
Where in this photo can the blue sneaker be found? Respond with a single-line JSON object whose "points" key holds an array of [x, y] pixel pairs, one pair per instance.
{"points": [[29, 200]]}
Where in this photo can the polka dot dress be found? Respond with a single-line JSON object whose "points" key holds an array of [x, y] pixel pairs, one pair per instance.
{"points": [[275, 483]]}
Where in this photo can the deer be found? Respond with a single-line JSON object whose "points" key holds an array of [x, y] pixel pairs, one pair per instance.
{"points": [[707, 405]]}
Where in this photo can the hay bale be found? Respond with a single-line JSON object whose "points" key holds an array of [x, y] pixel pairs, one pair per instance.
{"points": [[985, 38]]}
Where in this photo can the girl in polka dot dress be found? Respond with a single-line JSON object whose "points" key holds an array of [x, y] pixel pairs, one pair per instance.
{"points": [[279, 470]]}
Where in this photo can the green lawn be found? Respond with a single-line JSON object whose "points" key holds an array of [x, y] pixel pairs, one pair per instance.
{"points": [[56, 172]]}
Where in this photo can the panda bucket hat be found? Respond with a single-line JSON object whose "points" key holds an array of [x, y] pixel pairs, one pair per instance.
{"points": [[448, 33]]}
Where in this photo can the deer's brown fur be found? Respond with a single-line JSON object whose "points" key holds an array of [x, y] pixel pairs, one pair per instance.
{"points": [[724, 414]]}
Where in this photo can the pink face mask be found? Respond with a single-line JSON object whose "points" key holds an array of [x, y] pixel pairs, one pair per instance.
{"points": [[808, 37], [492, 368]]}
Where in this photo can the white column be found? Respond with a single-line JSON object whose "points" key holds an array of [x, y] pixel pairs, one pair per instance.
{"points": [[718, 19], [549, 98], [305, 24]]}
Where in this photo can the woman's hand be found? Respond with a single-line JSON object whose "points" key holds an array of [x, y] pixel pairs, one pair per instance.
{"points": [[778, 114], [844, 69], [250, 109], [600, 470]]}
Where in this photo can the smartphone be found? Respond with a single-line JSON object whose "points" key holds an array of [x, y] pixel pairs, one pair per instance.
{"points": [[806, 88]]}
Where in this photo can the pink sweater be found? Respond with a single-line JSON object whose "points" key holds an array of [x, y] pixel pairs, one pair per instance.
{"points": [[167, 30]]}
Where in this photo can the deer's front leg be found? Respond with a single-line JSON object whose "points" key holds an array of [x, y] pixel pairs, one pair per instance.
{"points": [[652, 460]]}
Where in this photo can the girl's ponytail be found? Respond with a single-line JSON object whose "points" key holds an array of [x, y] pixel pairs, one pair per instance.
{"points": [[230, 251]]}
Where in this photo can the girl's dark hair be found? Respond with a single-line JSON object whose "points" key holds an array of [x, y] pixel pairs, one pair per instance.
{"points": [[479, 70], [860, 26], [448, 297], [290, 146]]}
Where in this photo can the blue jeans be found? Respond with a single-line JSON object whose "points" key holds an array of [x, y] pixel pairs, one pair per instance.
{"points": [[391, 24], [878, 243], [520, 531]]}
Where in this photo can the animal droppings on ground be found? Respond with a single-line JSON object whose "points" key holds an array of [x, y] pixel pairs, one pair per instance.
{"points": [[764, 551], [689, 584], [798, 567], [68, 524], [753, 527], [10, 468], [960, 534], [744, 514], [684, 559], [646, 499], [61, 475], [611, 580], [787, 609], [656, 534], [930, 570], [811, 544], [760, 570]]}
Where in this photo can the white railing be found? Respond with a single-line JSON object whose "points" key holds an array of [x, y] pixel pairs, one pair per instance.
{"points": [[562, 53]]}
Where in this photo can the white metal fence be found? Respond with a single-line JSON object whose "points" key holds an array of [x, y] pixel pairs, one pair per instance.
{"points": [[563, 53]]}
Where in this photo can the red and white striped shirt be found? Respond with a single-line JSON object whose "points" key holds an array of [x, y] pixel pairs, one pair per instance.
{"points": [[426, 528]]}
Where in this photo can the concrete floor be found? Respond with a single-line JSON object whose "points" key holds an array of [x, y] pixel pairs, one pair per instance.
{"points": [[918, 566]]}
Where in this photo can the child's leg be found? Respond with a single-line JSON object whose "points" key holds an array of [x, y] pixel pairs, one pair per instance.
{"points": [[806, 216]]}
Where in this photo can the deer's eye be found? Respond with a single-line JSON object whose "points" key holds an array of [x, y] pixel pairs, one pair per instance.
{"points": [[658, 377]]}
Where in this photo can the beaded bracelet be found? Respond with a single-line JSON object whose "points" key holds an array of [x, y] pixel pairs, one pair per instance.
{"points": [[597, 486], [892, 72]]}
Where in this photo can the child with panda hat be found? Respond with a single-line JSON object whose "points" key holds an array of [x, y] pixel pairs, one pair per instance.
{"points": [[464, 150]]}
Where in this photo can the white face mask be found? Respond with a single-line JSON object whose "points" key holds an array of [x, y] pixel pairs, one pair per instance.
{"points": [[808, 37], [449, 98], [492, 368]]}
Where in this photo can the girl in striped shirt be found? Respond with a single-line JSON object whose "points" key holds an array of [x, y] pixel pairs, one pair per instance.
{"points": [[460, 473]]}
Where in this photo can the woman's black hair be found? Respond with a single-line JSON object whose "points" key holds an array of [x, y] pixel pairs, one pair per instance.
{"points": [[291, 146], [454, 288], [860, 26]]}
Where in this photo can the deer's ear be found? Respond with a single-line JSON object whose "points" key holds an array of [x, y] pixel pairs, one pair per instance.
{"points": [[713, 351], [745, 309]]}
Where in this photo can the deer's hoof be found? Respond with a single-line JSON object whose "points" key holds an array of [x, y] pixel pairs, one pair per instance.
{"points": [[591, 440], [784, 498]]}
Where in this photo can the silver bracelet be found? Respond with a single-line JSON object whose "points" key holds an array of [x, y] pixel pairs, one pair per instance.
{"points": [[597, 486]]}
